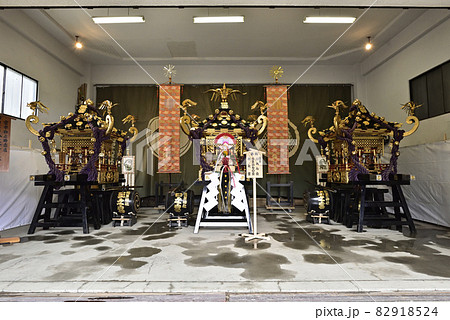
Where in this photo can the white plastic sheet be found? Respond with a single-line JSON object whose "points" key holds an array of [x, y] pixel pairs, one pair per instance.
{"points": [[18, 195], [428, 196]]}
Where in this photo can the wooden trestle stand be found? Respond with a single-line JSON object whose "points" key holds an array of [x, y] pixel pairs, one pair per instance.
{"points": [[400, 217], [72, 207], [254, 163], [78, 202]]}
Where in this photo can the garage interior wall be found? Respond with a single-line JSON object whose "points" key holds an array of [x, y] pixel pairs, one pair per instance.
{"points": [[26, 47], [381, 81], [385, 77]]}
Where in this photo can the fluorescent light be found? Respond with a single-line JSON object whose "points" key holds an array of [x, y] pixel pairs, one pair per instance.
{"points": [[329, 20], [124, 19], [221, 19]]}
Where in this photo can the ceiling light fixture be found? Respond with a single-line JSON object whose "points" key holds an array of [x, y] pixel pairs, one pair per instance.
{"points": [[118, 19], [368, 45], [329, 20], [221, 19], [78, 43]]}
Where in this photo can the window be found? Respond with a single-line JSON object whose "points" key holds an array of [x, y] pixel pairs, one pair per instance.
{"points": [[431, 90], [17, 91], [29, 94], [2, 76]]}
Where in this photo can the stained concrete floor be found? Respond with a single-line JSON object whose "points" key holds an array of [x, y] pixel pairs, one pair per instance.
{"points": [[150, 261]]}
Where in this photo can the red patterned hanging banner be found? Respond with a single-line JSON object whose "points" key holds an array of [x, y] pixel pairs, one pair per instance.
{"points": [[169, 129], [277, 130]]}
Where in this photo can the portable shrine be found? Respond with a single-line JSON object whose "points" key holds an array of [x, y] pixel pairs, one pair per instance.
{"points": [[224, 137], [353, 148], [355, 144], [89, 162]]}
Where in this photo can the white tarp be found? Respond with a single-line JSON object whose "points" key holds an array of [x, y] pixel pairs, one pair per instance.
{"points": [[18, 195], [428, 196]]}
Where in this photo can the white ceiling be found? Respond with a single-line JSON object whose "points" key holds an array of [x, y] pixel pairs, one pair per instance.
{"points": [[176, 3], [269, 35]]}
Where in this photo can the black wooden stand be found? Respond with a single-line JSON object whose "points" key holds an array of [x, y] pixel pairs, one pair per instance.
{"points": [[160, 193], [401, 217], [275, 202], [362, 202], [75, 204]]}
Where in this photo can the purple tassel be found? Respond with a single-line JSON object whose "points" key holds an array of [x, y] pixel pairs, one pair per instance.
{"points": [[90, 168], [59, 174]]}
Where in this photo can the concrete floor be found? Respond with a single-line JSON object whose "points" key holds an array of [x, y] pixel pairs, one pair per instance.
{"points": [[149, 261]]}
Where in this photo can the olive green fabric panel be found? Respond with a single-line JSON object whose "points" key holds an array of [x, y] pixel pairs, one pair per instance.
{"points": [[310, 100], [206, 106], [141, 102], [303, 100]]}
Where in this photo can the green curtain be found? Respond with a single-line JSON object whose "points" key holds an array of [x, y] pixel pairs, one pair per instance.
{"points": [[142, 102], [206, 107], [303, 100], [310, 100]]}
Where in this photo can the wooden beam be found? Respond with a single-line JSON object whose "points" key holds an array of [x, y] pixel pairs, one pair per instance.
{"points": [[9, 240]]}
